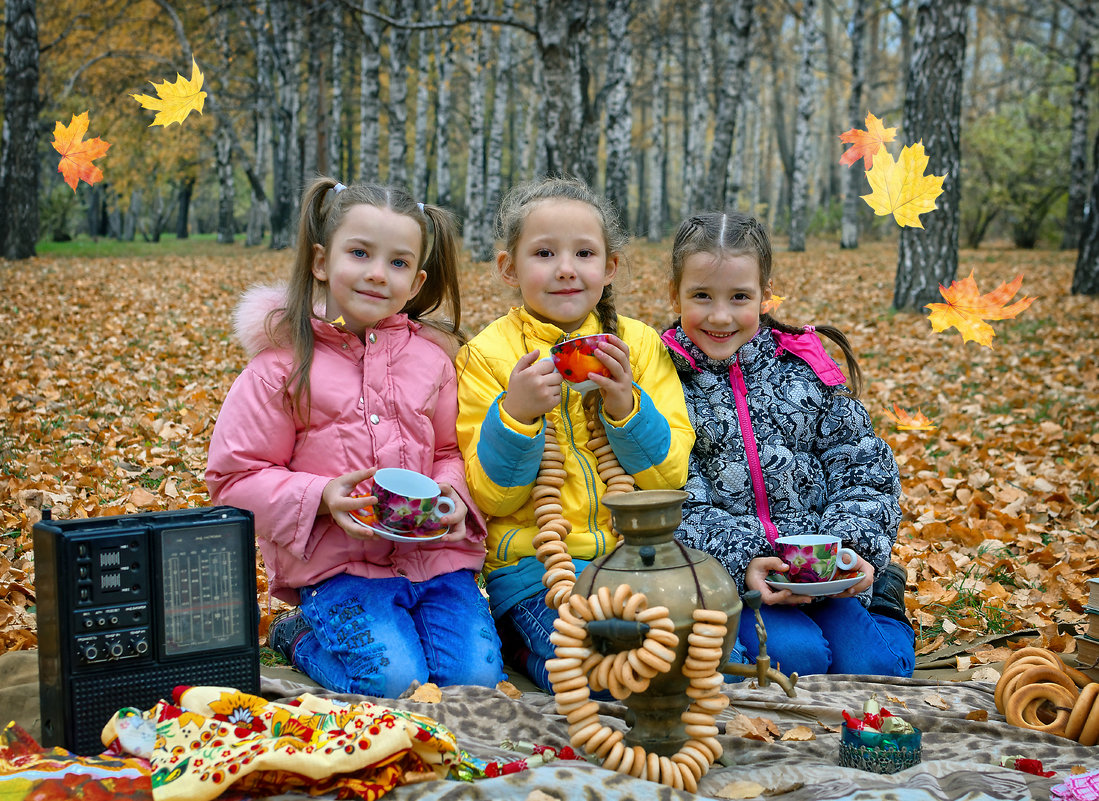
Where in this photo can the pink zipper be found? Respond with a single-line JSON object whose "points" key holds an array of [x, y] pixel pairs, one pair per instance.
{"points": [[740, 394]]}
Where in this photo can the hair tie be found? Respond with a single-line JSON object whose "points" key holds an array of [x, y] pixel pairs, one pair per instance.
{"points": [[338, 187], [420, 206], [332, 192]]}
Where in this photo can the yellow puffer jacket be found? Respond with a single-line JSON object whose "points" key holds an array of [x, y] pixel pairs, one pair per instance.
{"points": [[501, 454]]}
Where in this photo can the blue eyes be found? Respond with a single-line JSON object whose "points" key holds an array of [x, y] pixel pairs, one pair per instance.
{"points": [[358, 253]]}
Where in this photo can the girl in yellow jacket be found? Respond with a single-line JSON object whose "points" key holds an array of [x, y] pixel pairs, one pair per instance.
{"points": [[562, 249]]}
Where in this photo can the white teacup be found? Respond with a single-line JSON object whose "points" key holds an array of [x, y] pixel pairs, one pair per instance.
{"points": [[409, 502]]}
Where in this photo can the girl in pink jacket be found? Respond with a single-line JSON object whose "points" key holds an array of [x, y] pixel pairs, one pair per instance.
{"points": [[343, 380]]}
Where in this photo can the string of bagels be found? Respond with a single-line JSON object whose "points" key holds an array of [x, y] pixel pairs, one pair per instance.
{"points": [[579, 668], [1039, 691]]}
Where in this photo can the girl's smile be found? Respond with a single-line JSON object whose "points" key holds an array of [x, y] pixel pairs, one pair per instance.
{"points": [[719, 301]]}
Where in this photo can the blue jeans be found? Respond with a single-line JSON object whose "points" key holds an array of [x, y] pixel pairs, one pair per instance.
{"points": [[837, 635], [376, 636]]}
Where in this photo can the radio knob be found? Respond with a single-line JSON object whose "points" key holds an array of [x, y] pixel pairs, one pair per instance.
{"points": [[116, 650], [141, 646], [90, 653]]}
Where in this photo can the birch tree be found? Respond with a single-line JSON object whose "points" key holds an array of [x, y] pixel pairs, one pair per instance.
{"points": [[853, 178], [444, 61], [475, 160], [421, 168], [285, 163], [397, 106], [656, 147], [19, 162], [736, 32], [338, 32], [803, 138], [561, 27], [494, 151], [370, 63], [928, 257], [698, 77], [1085, 279], [619, 128], [1086, 30]]}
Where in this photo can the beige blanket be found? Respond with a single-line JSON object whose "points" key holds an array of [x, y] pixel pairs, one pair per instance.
{"points": [[960, 756]]}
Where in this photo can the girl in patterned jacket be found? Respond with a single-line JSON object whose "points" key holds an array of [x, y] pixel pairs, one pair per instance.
{"points": [[562, 247], [343, 381], [782, 447]]}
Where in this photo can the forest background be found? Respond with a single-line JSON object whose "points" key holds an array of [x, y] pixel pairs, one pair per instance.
{"points": [[117, 346]]}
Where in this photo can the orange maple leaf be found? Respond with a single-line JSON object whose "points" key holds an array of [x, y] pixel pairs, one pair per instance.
{"points": [[769, 306], [966, 309], [76, 155], [910, 422], [866, 143]]}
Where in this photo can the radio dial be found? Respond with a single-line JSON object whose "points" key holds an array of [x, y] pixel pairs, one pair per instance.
{"points": [[90, 653], [141, 646], [116, 650]]}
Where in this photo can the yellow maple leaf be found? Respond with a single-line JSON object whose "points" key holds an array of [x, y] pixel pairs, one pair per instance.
{"points": [[866, 143], [77, 155], [906, 421], [174, 101], [769, 306], [966, 309], [900, 188]]}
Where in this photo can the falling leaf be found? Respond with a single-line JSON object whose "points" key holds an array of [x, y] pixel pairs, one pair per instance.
{"points": [[799, 733], [174, 101], [76, 155], [966, 309], [909, 422], [900, 187], [770, 305], [866, 143]]}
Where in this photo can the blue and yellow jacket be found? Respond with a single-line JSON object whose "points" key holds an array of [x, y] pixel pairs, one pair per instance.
{"points": [[502, 455]]}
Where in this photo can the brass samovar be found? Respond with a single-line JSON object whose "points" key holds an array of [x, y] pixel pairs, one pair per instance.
{"points": [[668, 719]]}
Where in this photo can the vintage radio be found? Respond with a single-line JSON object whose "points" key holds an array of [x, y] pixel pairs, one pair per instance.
{"points": [[129, 607]]}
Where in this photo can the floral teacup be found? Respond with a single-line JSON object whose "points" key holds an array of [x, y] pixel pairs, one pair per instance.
{"points": [[409, 502], [814, 557], [575, 359]]}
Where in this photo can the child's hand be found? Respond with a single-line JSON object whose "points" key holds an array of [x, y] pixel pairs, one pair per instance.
{"points": [[755, 579], [533, 388], [867, 569], [617, 388], [338, 498], [456, 519]]}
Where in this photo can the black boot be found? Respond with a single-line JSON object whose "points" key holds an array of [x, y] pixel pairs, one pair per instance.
{"points": [[888, 599], [286, 629]]}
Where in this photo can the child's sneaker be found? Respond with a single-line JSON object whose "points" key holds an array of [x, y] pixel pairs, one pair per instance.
{"points": [[888, 598], [286, 629]]}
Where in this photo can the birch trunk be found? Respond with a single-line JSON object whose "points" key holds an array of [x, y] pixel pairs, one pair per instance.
{"points": [[656, 150], [494, 153], [736, 31], [421, 167], [475, 161], [928, 257], [285, 161], [1078, 149], [619, 130], [315, 111], [803, 135], [561, 27], [398, 106], [1085, 278], [855, 176], [444, 59], [699, 78], [19, 138], [370, 62], [333, 165]]}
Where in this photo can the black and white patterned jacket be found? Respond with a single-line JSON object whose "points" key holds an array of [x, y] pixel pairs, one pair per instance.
{"points": [[823, 468]]}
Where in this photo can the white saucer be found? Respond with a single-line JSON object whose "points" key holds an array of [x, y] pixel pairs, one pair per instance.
{"points": [[816, 588], [388, 534]]}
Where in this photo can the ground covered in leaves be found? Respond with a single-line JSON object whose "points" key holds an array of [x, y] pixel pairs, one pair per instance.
{"points": [[114, 368]]}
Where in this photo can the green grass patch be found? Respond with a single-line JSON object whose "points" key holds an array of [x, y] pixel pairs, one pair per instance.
{"points": [[84, 247]]}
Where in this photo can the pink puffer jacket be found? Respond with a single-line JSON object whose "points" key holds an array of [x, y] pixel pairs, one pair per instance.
{"points": [[391, 402]]}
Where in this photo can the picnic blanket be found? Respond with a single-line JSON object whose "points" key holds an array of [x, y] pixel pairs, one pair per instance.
{"points": [[960, 755]]}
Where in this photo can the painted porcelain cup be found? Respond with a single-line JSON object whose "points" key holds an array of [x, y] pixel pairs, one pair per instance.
{"points": [[814, 557], [409, 502], [575, 359]]}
